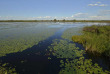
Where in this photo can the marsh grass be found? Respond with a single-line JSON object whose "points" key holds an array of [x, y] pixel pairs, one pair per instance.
{"points": [[95, 39]]}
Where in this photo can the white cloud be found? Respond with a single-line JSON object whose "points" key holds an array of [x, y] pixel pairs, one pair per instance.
{"points": [[98, 4], [79, 15], [55, 17], [105, 11], [103, 5], [92, 4], [39, 17], [47, 17], [102, 15], [99, 17], [95, 16]]}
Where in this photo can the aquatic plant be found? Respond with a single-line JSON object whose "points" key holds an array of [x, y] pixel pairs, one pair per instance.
{"points": [[63, 49], [72, 59], [17, 37], [81, 66], [67, 34], [6, 70], [20, 37]]}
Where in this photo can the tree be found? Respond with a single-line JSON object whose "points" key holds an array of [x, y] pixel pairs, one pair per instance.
{"points": [[63, 20], [54, 20]]}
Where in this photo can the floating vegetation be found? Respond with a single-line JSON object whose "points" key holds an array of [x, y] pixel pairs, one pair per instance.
{"points": [[20, 37], [70, 32], [81, 66], [5, 70], [16, 37], [73, 61], [63, 49]]}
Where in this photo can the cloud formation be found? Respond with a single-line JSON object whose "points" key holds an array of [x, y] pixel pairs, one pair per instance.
{"points": [[103, 5], [79, 15], [104, 12], [92, 4], [102, 15], [98, 4], [95, 17]]}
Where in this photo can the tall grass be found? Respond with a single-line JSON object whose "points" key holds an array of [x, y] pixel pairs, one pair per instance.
{"points": [[95, 39]]}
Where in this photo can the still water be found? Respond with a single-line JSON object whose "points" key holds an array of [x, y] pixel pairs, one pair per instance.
{"points": [[44, 48]]}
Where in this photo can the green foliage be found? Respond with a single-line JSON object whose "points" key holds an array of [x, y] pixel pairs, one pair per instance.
{"points": [[95, 39], [63, 49], [49, 58], [74, 62], [81, 66], [5, 70]]}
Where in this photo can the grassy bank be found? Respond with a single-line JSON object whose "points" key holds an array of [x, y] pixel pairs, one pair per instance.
{"points": [[95, 39]]}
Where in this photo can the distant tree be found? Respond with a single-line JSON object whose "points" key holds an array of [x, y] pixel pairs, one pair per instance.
{"points": [[63, 20], [74, 20], [55, 20]]}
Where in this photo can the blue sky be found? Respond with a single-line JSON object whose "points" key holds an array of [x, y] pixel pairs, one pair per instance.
{"points": [[51, 9]]}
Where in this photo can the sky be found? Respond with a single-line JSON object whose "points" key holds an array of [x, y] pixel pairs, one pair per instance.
{"points": [[54, 9]]}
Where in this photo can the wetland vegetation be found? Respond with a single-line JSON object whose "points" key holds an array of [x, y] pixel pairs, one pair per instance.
{"points": [[95, 39], [16, 38], [73, 60], [46, 47]]}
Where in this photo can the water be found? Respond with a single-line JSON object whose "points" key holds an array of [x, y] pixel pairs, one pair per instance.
{"points": [[25, 45]]}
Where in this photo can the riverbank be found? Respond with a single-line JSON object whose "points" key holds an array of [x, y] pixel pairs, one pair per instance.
{"points": [[95, 39]]}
